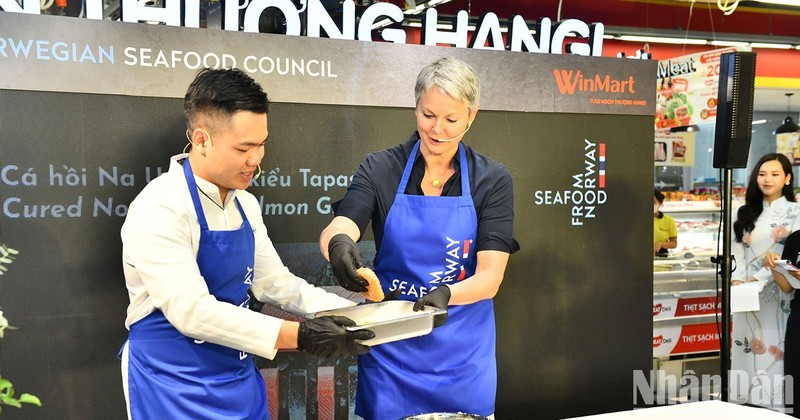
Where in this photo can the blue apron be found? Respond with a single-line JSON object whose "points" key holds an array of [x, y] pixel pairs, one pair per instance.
{"points": [[427, 242], [177, 377]]}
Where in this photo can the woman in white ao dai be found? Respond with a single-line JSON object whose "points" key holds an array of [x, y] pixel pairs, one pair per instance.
{"points": [[768, 216]]}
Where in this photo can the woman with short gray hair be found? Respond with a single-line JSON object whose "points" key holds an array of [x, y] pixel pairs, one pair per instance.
{"points": [[442, 217]]}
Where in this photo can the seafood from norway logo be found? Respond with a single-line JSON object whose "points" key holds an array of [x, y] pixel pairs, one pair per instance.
{"points": [[588, 186], [456, 252]]}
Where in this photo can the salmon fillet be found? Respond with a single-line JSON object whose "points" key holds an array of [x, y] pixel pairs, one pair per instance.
{"points": [[374, 291]]}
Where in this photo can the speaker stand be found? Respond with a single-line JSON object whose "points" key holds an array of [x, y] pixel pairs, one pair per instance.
{"points": [[725, 261]]}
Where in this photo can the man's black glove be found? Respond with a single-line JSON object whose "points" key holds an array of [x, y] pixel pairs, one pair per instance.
{"points": [[345, 258], [326, 337], [393, 295], [255, 304], [438, 298]]}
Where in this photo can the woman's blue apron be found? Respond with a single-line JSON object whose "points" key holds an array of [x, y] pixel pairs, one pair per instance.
{"points": [[174, 376], [427, 243]]}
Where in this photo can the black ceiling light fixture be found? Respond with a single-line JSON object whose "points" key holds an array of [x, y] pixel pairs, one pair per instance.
{"points": [[788, 126], [685, 128]]}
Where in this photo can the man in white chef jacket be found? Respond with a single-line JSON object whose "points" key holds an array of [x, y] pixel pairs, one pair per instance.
{"points": [[193, 244]]}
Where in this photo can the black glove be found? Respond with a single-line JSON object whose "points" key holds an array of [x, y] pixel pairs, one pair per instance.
{"points": [[393, 295], [326, 337], [438, 298], [255, 304], [345, 258]]}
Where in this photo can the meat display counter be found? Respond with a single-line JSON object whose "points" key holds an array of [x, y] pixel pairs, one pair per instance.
{"points": [[685, 304], [686, 310]]}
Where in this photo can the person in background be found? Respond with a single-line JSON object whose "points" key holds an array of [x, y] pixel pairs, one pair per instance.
{"points": [[791, 351], [193, 243], [762, 225], [665, 232], [442, 217]]}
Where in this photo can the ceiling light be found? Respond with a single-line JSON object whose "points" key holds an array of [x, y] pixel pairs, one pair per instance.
{"points": [[419, 8], [781, 2], [788, 126], [720, 43], [381, 24], [662, 40], [416, 10], [770, 45], [685, 128]]}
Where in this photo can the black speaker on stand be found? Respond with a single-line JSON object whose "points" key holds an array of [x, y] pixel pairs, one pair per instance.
{"points": [[734, 129]]}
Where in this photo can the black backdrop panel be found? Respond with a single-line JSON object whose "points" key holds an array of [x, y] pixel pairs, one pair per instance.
{"points": [[65, 291], [573, 314], [574, 311]]}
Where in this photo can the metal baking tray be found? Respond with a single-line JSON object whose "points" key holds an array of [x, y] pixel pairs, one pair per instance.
{"points": [[391, 320]]}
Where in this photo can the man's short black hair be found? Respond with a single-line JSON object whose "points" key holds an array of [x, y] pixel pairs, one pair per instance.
{"points": [[219, 93]]}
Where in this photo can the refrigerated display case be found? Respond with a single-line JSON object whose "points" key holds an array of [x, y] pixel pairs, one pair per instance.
{"points": [[686, 307], [686, 311], [698, 224]]}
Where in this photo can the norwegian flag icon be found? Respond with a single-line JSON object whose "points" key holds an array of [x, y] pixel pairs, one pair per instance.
{"points": [[602, 172]]}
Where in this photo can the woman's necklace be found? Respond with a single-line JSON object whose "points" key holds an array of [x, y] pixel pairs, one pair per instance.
{"points": [[437, 182]]}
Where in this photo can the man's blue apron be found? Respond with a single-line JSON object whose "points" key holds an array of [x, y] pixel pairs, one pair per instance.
{"points": [[427, 242], [176, 377]]}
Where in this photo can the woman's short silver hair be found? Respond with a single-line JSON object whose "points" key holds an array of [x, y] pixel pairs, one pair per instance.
{"points": [[454, 77]]}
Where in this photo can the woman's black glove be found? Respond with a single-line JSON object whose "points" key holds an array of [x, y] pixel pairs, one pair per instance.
{"points": [[438, 298], [326, 337], [345, 258]]}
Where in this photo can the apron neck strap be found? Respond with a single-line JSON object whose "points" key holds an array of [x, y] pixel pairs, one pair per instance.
{"points": [[462, 157], [198, 208]]}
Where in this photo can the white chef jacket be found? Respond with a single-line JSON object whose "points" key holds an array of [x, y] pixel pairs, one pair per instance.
{"points": [[160, 240]]}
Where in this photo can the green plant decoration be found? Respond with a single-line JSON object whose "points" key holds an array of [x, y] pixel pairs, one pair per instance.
{"points": [[7, 396]]}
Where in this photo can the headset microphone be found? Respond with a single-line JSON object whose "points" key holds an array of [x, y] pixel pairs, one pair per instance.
{"points": [[462, 133]]}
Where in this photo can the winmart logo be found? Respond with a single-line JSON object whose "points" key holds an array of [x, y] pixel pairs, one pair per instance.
{"points": [[570, 81]]}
